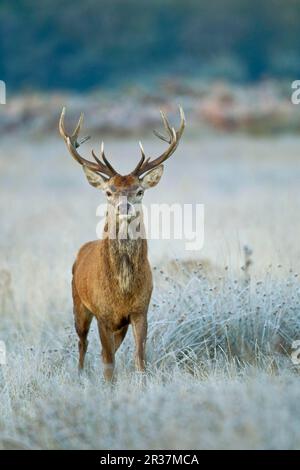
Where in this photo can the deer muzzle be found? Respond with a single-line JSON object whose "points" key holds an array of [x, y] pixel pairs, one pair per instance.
{"points": [[125, 209]]}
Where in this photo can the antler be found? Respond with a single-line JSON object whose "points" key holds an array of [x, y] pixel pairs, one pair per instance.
{"points": [[73, 143], [172, 139]]}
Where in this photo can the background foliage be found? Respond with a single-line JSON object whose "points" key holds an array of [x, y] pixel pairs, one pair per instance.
{"points": [[81, 45]]}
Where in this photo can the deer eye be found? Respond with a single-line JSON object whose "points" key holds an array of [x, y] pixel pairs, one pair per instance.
{"points": [[108, 193], [140, 192]]}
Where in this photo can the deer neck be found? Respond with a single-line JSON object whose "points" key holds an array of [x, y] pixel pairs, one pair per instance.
{"points": [[126, 256]]}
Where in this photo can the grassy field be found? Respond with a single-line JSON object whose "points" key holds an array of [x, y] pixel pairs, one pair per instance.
{"points": [[220, 373]]}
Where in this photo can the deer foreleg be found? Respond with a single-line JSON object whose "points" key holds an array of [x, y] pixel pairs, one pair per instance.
{"points": [[108, 351], [139, 325]]}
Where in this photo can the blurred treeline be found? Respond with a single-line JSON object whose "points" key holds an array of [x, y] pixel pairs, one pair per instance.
{"points": [[79, 45]]}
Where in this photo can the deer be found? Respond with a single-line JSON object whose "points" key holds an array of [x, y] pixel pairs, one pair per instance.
{"points": [[111, 276]]}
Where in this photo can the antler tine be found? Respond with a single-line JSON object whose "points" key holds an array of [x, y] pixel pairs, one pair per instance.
{"points": [[106, 161], [173, 141], [182, 123], [160, 136], [96, 158], [167, 127], [141, 160], [142, 150], [102, 155], [61, 125], [75, 134], [73, 143], [77, 128], [166, 124]]}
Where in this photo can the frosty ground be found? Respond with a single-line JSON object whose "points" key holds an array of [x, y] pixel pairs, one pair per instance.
{"points": [[220, 338]]}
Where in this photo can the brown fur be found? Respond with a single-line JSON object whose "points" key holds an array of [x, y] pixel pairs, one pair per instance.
{"points": [[112, 281], [121, 181]]}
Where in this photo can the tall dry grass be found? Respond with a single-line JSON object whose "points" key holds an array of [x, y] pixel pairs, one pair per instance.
{"points": [[221, 322]]}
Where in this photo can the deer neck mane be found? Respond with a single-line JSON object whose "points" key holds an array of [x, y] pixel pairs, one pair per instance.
{"points": [[126, 258]]}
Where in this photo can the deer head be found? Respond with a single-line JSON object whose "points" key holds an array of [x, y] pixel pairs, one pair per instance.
{"points": [[123, 192]]}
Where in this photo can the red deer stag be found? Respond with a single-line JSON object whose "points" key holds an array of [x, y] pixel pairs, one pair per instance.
{"points": [[112, 279]]}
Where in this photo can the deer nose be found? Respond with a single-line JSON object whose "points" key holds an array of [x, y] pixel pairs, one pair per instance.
{"points": [[125, 208]]}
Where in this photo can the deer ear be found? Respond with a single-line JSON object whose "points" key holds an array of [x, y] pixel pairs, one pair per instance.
{"points": [[152, 177], [93, 178]]}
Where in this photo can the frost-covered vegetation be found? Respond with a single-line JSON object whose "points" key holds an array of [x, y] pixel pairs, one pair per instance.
{"points": [[221, 322]]}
